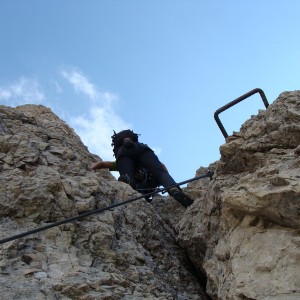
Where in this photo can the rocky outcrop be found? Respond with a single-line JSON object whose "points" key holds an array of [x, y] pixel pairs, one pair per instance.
{"points": [[239, 240], [125, 253], [243, 230]]}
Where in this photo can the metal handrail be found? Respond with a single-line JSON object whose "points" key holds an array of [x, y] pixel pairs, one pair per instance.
{"points": [[236, 101]]}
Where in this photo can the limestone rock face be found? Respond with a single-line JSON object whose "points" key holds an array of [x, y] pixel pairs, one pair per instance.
{"points": [[239, 240], [243, 229], [125, 253]]}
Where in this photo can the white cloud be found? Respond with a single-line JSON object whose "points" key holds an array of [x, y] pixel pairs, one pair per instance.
{"points": [[81, 84], [24, 91], [96, 127]]}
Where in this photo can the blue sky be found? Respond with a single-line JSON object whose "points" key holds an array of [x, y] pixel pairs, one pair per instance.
{"points": [[161, 68]]}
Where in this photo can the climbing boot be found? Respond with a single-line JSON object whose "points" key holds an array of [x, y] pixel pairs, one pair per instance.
{"points": [[182, 198]]}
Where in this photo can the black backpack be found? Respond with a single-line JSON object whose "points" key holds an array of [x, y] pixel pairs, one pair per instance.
{"points": [[117, 138]]}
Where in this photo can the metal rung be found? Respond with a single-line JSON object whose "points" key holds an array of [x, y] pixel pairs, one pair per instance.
{"points": [[236, 101]]}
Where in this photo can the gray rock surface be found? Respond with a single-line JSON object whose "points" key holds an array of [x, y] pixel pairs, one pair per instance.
{"points": [[239, 240], [125, 253], [243, 230]]}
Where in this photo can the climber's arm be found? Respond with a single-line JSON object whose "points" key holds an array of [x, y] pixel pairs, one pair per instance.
{"points": [[111, 165]]}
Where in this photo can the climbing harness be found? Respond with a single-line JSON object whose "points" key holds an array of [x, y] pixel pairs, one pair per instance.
{"points": [[236, 101], [146, 183], [100, 210]]}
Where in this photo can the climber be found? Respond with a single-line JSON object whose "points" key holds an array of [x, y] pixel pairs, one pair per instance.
{"points": [[133, 157], [145, 181]]}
